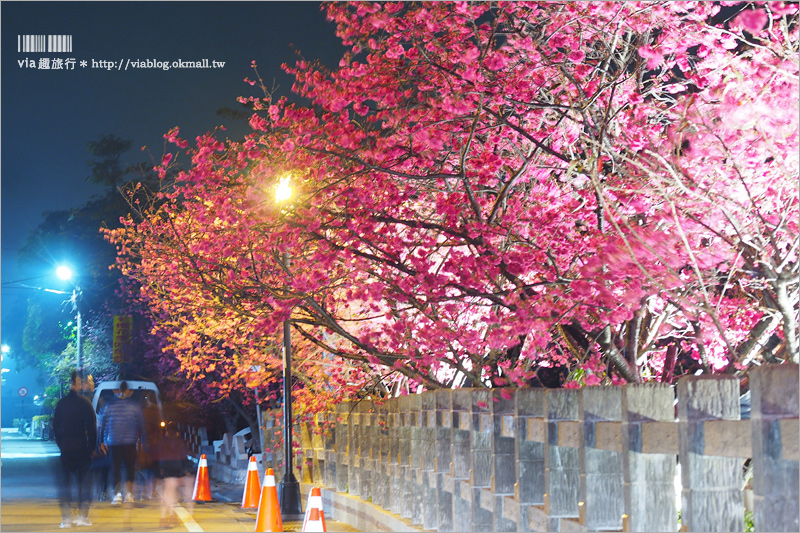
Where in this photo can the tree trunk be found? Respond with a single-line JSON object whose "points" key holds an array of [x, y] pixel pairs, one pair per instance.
{"points": [[789, 321], [616, 358]]}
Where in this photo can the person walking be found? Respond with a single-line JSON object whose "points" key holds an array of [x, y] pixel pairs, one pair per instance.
{"points": [[75, 429], [123, 429], [101, 462], [148, 460], [172, 461]]}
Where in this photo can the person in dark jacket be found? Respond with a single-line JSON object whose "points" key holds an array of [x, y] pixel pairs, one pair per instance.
{"points": [[123, 429], [75, 429]]}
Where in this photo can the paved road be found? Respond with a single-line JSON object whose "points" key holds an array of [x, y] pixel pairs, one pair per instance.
{"points": [[28, 467], [28, 499]]}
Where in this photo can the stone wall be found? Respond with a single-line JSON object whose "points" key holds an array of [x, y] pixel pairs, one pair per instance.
{"points": [[594, 459]]}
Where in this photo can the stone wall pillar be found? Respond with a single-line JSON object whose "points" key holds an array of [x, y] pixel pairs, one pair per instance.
{"points": [[365, 441], [268, 447], [318, 448], [373, 458], [342, 444], [354, 449], [531, 430], [504, 446], [396, 433], [329, 445], [649, 478], [462, 460], [430, 503], [482, 456], [711, 499], [414, 473], [562, 463], [774, 396], [305, 461], [444, 459], [601, 488], [405, 507], [381, 487]]}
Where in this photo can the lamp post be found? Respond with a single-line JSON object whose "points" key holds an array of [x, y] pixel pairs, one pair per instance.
{"points": [[65, 273], [289, 488]]}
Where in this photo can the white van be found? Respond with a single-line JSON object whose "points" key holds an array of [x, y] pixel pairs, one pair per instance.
{"points": [[143, 391]]}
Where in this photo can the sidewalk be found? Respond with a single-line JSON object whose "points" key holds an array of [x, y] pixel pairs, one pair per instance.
{"points": [[231, 493]]}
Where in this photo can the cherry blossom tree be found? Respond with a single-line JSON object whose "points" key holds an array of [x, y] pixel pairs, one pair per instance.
{"points": [[483, 190], [728, 188]]}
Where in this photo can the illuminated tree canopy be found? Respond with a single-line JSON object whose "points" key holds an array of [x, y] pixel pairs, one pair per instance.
{"points": [[482, 190]]}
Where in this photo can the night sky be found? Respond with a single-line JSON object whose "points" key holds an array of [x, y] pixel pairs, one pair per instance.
{"points": [[48, 116]]}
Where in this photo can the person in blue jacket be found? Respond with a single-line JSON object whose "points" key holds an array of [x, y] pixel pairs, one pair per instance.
{"points": [[123, 430]]}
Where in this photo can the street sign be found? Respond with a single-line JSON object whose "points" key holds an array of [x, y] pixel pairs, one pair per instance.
{"points": [[23, 391], [123, 338]]}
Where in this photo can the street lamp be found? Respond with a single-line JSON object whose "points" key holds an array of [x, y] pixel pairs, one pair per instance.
{"points": [[289, 488], [65, 273]]}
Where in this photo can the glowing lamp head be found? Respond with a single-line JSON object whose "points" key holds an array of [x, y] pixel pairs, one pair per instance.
{"points": [[284, 191], [64, 272]]}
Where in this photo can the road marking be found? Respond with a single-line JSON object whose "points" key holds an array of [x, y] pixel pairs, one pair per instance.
{"points": [[187, 519]]}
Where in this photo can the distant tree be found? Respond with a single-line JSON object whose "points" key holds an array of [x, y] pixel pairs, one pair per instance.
{"points": [[107, 165], [45, 335]]}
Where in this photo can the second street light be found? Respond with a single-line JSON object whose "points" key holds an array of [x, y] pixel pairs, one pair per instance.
{"points": [[289, 488], [65, 273]]}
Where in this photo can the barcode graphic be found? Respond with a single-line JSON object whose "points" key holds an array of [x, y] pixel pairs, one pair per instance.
{"points": [[44, 43]]}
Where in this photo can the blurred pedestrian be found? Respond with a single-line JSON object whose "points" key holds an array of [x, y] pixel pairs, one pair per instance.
{"points": [[75, 429], [101, 461], [148, 460], [174, 471], [123, 431]]}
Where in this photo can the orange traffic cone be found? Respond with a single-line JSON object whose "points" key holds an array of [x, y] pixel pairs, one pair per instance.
{"points": [[315, 521], [269, 510], [314, 503], [252, 486], [202, 488]]}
